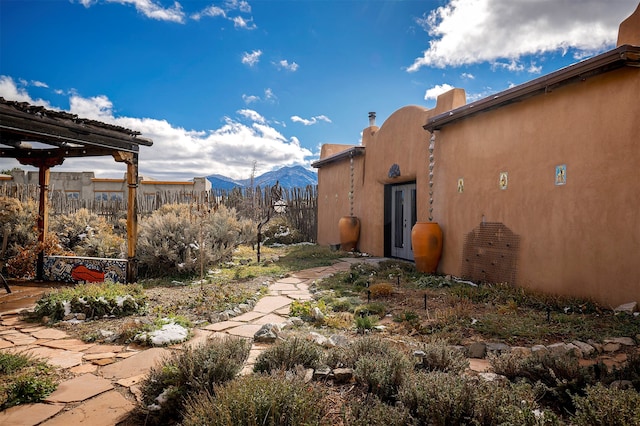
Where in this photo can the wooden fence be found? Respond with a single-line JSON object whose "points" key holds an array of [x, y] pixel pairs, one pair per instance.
{"points": [[300, 204]]}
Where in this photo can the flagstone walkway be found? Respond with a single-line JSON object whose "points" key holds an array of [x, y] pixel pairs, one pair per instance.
{"points": [[106, 378]]}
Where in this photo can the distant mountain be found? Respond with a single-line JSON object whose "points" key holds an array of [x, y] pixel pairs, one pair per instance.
{"points": [[287, 177]]}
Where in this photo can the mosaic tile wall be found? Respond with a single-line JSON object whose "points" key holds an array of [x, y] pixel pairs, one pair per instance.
{"points": [[72, 269]]}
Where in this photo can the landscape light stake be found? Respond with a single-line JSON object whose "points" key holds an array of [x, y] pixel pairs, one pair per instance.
{"points": [[425, 301]]}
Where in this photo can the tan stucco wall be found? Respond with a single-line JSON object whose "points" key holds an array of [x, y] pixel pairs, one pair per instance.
{"points": [[400, 140], [582, 238]]}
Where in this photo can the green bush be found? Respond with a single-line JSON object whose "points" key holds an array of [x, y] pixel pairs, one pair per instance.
{"points": [[373, 412], [258, 400], [440, 356], [24, 379], [93, 300], [365, 322], [188, 373], [383, 375], [357, 348], [279, 231], [287, 354], [437, 398], [603, 406]]}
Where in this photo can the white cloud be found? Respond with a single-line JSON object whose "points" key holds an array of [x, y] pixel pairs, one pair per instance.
{"points": [[437, 90], [468, 76], [284, 64], [177, 153], [268, 97], [10, 91], [39, 84], [249, 99], [311, 121], [153, 10], [240, 22], [251, 58], [211, 11], [474, 31]]}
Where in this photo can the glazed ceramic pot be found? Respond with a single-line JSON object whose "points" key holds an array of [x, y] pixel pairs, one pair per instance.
{"points": [[426, 238]]}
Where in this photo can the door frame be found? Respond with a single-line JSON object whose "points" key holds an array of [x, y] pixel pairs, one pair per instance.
{"points": [[408, 211]]}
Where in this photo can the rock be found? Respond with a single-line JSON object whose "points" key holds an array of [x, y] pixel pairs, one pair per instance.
{"points": [[321, 373], [626, 341], [621, 384], [497, 348], [628, 308], [244, 307], [491, 377], [379, 327], [317, 315], [539, 348], [69, 317], [268, 333], [611, 347], [339, 340], [223, 316], [297, 321], [308, 375], [343, 375], [558, 348], [586, 349], [81, 317], [477, 350], [597, 346], [318, 338], [230, 313]]}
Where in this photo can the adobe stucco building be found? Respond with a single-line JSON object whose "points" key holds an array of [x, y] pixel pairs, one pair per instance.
{"points": [[538, 185]]}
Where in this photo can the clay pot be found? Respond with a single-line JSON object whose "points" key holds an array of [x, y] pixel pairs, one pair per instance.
{"points": [[426, 238], [349, 232]]}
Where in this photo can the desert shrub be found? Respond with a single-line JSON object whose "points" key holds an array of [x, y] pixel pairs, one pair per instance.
{"points": [[93, 300], [504, 403], [374, 308], [24, 379], [287, 354], [87, 234], [188, 373], [365, 322], [279, 231], [305, 309], [259, 400], [383, 375], [373, 412], [21, 220], [357, 348], [559, 374], [440, 356], [381, 290], [603, 406], [339, 320], [437, 398], [23, 262], [177, 239]]}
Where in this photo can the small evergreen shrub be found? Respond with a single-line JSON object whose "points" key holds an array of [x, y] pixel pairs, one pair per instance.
{"points": [[383, 375], [287, 354], [87, 234], [258, 400], [365, 323], [93, 300], [373, 412], [603, 406], [189, 373], [440, 356], [437, 398], [24, 379]]}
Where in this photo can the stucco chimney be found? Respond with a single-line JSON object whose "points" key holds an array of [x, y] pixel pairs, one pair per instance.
{"points": [[372, 119], [629, 30]]}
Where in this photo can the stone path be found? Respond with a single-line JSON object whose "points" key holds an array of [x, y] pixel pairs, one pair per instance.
{"points": [[106, 378]]}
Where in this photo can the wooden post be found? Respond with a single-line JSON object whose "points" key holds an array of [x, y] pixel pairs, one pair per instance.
{"points": [[131, 160], [132, 220], [43, 217]]}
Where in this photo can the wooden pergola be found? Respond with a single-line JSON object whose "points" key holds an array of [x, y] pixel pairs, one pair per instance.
{"points": [[43, 138]]}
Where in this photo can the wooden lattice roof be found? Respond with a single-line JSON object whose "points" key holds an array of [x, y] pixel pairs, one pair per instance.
{"points": [[59, 135]]}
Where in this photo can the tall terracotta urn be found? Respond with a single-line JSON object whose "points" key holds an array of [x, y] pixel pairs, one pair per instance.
{"points": [[349, 232], [426, 238]]}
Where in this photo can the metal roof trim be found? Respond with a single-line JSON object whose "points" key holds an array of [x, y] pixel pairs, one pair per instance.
{"points": [[347, 153]]}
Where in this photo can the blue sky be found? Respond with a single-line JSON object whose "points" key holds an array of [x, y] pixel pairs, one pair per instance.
{"points": [[219, 85]]}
